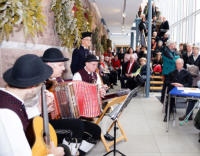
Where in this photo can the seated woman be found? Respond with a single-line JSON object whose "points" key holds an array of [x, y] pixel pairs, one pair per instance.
{"points": [[157, 63], [159, 48], [113, 73], [116, 66], [140, 75], [104, 71]]}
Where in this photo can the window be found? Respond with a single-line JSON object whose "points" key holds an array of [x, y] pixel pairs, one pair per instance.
{"points": [[197, 32], [198, 4]]}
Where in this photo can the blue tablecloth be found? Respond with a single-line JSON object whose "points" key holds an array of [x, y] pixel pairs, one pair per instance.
{"points": [[175, 91]]}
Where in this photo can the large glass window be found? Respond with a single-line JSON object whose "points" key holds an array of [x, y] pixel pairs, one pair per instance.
{"points": [[184, 19], [197, 32], [197, 4]]}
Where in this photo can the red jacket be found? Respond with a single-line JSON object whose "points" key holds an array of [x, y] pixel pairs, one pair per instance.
{"points": [[116, 63]]}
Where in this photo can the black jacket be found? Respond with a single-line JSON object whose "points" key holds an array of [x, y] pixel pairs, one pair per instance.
{"points": [[183, 77], [133, 70], [185, 58], [191, 61], [143, 27], [78, 59], [164, 27]]}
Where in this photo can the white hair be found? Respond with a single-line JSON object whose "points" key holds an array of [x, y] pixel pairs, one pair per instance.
{"points": [[134, 56], [189, 44], [160, 41], [169, 42], [180, 59]]}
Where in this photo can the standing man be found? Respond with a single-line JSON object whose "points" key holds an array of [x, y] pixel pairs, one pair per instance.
{"points": [[79, 54]]}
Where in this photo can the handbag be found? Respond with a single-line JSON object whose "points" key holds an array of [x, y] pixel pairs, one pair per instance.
{"points": [[193, 70], [139, 79]]}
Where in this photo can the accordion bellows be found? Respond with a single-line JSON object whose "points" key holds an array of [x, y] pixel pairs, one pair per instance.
{"points": [[76, 99]]}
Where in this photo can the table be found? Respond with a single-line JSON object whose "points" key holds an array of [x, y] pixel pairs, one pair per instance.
{"points": [[187, 93]]}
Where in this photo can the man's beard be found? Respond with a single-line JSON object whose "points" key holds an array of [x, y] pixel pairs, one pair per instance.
{"points": [[32, 101]]}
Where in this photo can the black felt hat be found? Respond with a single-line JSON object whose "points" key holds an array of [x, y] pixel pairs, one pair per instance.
{"points": [[53, 55], [28, 71], [91, 58], [86, 34]]}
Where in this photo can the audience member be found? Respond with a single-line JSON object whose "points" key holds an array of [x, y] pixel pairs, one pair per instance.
{"points": [[187, 54], [169, 57], [164, 27], [179, 78], [128, 70], [116, 66]]}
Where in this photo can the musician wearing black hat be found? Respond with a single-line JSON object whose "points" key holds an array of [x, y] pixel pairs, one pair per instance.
{"points": [[83, 135], [23, 83], [88, 74], [79, 54]]}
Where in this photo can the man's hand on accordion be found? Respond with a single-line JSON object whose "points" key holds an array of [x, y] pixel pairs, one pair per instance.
{"points": [[50, 101], [102, 91]]}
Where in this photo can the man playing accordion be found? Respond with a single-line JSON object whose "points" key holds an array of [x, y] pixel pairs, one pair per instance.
{"points": [[74, 133], [89, 75]]}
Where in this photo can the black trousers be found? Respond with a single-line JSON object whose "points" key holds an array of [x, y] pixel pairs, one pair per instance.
{"points": [[122, 80], [191, 104], [131, 82], [119, 73], [106, 79], [113, 77], [163, 89], [76, 129]]}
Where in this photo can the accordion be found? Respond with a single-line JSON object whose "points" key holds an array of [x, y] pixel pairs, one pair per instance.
{"points": [[76, 99]]}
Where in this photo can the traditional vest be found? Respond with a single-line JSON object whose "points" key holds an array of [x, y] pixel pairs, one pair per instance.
{"points": [[10, 102], [90, 78]]}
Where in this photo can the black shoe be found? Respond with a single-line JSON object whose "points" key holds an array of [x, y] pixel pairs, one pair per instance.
{"points": [[108, 137], [165, 118], [81, 153]]}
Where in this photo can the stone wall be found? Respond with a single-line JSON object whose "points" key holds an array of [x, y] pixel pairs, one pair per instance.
{"points": [[18, 45]]}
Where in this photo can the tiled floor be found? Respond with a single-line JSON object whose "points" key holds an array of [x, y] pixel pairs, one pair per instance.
{"points": [[143, 124]]}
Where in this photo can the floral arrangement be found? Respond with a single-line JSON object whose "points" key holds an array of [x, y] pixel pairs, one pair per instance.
{"points": [[109, 43], [65, 23], [16, 13], [104, 42], [96, 42], [70, 21]]}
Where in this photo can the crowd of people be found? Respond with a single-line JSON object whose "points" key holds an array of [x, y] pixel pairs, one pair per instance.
{"points": [[167, 59]]}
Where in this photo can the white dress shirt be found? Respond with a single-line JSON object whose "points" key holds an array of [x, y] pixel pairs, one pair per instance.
{"points": [[77, 77], [13, 141], [130, 65]]}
